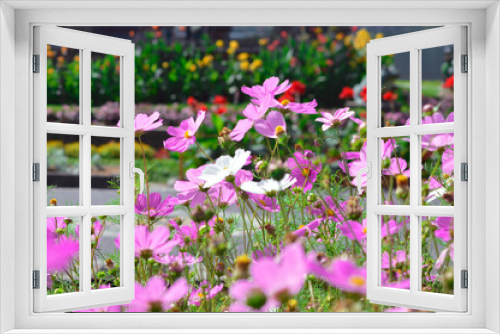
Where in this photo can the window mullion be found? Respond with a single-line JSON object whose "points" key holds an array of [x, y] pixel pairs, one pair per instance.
{"points": [[415, 192]]}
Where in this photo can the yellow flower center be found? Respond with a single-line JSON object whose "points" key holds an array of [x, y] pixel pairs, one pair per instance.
{"points": [[357, 281], [306, 171], [186, 134], [364, 230], [302, 226], [261, 201], [201, 295], [279, 129], [329, 212], [285, 102]]}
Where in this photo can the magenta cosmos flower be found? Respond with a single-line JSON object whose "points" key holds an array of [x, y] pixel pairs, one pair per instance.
{"points": [[155, 297], [272, 280], [355, 230], [151, 244], [336, 119], [157, 207], [204, 292], [342, 274], [330, 210], [252, 113], [56, 225], [304, 169], [445, 228], [183, 136], [143, 122], [61, 250], [193, 189], [265, 202], [306, 230], [273, 126]]}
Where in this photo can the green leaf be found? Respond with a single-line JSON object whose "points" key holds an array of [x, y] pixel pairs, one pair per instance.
{"points": [[217, 121]]}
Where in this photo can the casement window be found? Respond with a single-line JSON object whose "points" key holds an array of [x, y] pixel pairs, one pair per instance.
{"points": [[473, 310], [424, 135], [81, 211]]}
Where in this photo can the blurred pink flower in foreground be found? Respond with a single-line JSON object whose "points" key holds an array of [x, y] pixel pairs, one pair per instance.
{"points": [[151, 244], [204, 292], [342, 274], [183, 135], [60, 252], [154, 297]]}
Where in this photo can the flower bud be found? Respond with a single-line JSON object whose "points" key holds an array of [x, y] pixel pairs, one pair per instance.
{"points": [[220, 267], [257, 299], [53, 202], [224, 137], [298, 147], [198, 214], [241, 265], [270, 229]]}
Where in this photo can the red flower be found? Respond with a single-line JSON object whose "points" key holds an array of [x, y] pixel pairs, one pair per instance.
{"points": [[322, 39], [191, 101], [449, 83], [362, 94], [347, 93], [297, 88], [286, 96], [284, 34], [389, 96], [202, 107], [221, 110], [353, 29], [329, 62], [293, 61], [219, 99]]}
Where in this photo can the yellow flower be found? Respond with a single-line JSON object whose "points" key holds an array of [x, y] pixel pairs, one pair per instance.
{"points": [[145, 67], [243, 56], [50, 53], [50, 71], [255, 64], [379, 35], [347, 40], [77, 58], [263, 41], [219, 43], [361, 39], [339, 36], [230, 51], [234, 44], [244, 65], [154, 67], [318, 30], [64, 50], [60, 59], [164, 64], [192, 68], [207, 60]]}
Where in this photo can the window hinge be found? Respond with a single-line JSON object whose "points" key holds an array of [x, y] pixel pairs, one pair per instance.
{"points": [[464, 279], [464, 173], [36, 172], [36, 279], [36, 63], [465, 64]]}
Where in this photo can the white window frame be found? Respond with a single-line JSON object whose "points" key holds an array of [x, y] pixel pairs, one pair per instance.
{"points": [[86, 43], [413, 44], [484, 102]]}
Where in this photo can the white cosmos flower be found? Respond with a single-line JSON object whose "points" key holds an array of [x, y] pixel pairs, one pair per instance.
{"points": [[268, 186], [223, 167]]}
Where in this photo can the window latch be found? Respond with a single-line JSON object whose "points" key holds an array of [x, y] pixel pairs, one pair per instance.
{"points": [[368, 171], [36, 63], [139, 171], [36, 172], [464, 171], [464, 279]]}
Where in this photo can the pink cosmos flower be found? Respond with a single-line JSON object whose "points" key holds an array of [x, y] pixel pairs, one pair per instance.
{"points": [[183, 136], [336, 119], [61, 251], [299, 108], [306, 230], [186, 234], [304, 169], [224, 194], [265, 202], [399, 257], [269, 251], [204, 292], [270, 87], [445, 228], [151, 244], [355, 230], [272, 278], [252, 113], [180, 260], [157, 207], [55, 224], [342, 274], [448, 161], [330, 210], [155, 297], [143, 122], [192, 189], [273, 126]]}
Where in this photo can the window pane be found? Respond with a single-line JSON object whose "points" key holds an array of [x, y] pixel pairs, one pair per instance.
{"points": [[437, 254], [105, 252], [105, 171], [105, 89], [63, 84], [63, 170], [63, 253], [395, 89], [437, 84], [438, 169], [395, 171], [395, 243]]}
